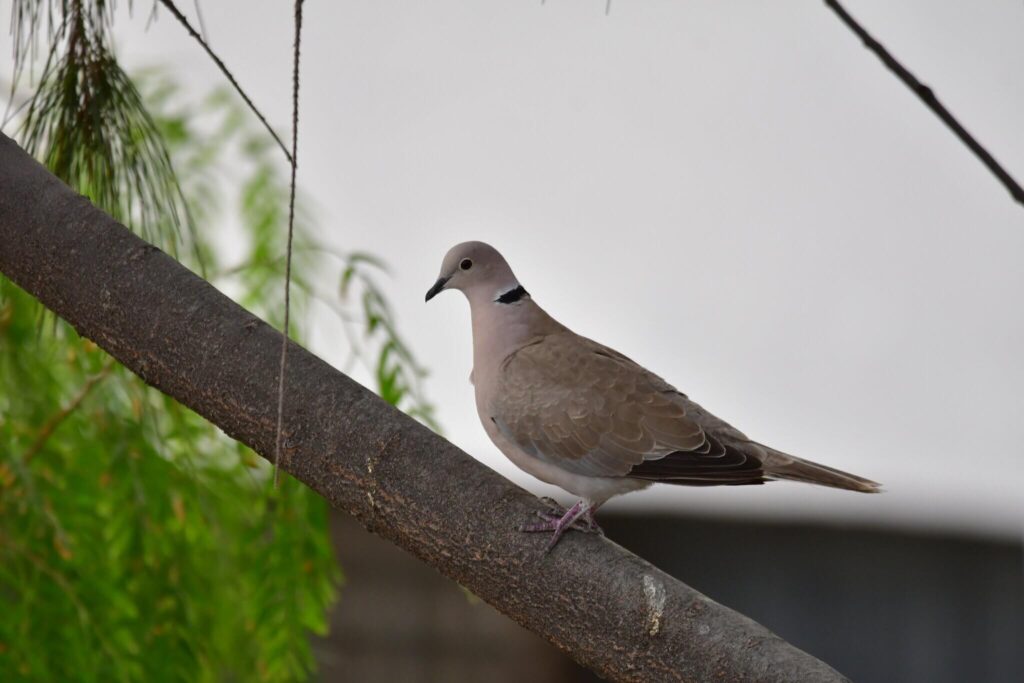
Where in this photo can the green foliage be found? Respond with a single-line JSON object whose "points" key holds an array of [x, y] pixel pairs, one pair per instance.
{"points": [[138, 542], [88, 124], [396, 371]]}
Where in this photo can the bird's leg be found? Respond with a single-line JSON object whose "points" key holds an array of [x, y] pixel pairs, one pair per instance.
{"points": [[551, 518], [590, 522], [565, 523], [555, 513], [559, 526]]}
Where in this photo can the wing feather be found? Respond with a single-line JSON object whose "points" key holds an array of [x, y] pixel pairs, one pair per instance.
{"points": [[590, 410]]}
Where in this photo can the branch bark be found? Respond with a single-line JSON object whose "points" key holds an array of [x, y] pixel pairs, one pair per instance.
{"points": [[610, 610]]}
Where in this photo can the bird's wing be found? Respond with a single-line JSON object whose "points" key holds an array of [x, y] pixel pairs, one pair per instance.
{"points": [[590, 410]]}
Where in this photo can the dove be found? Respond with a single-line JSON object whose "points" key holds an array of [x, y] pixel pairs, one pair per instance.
{"points": [[584, 417]]}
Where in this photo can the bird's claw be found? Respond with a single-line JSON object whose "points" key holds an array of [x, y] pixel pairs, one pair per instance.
{"points": [[551, 518]]}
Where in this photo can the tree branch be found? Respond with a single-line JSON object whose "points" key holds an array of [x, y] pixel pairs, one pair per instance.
{"points": [[610, 610], [183, 20], [928, 97]]}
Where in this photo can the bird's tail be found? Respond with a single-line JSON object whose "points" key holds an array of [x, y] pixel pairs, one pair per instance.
{"points": [[784, 466]]}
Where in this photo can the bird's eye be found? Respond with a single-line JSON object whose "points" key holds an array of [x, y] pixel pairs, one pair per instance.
{"points": [[466, 264]]}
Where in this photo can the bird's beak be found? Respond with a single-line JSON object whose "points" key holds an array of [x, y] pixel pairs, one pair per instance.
{"points": [[438, 286]]}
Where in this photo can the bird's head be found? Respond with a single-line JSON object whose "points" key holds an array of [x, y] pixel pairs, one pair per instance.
{"points": [[478, 271]]}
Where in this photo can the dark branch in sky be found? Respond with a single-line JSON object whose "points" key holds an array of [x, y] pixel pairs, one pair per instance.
{"points": [[169, 4], [928, 97]]}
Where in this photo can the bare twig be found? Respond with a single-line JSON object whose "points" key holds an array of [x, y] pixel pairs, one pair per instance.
{"points": [[51, 425], [928, 97], [183, 20], [291, 233], [202, 24]]}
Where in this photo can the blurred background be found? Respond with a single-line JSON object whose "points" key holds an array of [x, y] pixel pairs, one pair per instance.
{"points": [[736, 195]]}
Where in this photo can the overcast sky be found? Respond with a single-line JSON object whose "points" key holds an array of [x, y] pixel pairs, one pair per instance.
{"points": [[737, 195]]}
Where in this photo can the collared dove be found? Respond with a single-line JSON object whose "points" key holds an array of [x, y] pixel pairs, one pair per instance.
{"points": [[586, 418]]}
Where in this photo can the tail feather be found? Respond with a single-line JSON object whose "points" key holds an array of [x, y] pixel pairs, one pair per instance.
{"points": [[788, 467]]}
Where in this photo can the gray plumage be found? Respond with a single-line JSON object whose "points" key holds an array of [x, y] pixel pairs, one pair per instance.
{"points": [[586, 418]]}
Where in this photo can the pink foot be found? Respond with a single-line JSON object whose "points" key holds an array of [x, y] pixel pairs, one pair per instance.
{"points": [[558, 522]]}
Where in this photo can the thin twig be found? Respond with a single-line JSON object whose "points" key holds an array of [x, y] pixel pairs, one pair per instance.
{"points": [[291, 232], [202, 24], [169, 4], [928, 97], [51, 425]]}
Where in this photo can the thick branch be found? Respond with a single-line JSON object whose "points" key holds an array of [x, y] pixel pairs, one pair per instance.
{"points": [[927, 95], [610, 610]]}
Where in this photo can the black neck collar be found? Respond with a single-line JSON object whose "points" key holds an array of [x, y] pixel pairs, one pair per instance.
{"points": [[512, 295]]}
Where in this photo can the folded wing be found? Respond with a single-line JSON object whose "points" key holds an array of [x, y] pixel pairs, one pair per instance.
{"points": [[590, 410]]}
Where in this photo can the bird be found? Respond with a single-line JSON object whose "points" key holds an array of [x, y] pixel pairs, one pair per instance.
{"points": [[579, 415]]}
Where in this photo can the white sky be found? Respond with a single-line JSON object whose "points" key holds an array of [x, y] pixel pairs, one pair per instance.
{"points": [[737, 195]]}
